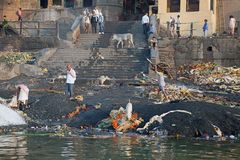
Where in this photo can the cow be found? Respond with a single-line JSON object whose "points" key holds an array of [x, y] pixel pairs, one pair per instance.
{"points": [[123, 37]]}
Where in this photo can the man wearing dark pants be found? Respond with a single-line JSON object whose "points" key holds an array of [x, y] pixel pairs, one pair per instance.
{"points": [[145, 23], [71, 77], [94, 21]]}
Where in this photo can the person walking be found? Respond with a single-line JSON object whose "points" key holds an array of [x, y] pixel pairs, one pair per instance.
{"points": [[172, 26], [71, 77], [5, 25], [19, 14], [205, 28], [178, 23], [161, 82], [145, 23], [101, 23], [94, 21], [232, 24], [87, 24]]}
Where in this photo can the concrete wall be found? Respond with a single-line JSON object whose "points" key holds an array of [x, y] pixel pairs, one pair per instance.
{"points": [[222, 50], [27, 43], [187, 17]]}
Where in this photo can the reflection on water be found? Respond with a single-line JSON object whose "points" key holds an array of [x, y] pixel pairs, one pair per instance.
{"points": [[13, 147], [114, 148]]}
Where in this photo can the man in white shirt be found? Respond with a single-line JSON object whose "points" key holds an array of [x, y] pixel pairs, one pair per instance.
{"points": [[232, 24], [145, 23], [71, 77], [178, 23]]}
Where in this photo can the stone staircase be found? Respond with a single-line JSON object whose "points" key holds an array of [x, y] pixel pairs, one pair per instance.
{"points": [[117, 63]]}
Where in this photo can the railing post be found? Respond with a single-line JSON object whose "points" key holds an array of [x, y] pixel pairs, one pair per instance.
{"points": [[238, 28], [191, 29], [168, 25], [57, 30], [20, 32], [38, 29]]}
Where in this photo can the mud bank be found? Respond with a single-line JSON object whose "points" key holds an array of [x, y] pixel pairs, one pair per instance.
{"points": [[48, 108]]}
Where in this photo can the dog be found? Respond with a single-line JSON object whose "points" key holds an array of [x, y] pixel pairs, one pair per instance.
{"points": [[123, 37]]}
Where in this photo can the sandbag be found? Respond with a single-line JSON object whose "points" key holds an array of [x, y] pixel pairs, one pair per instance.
{"points": [[10, 117]]}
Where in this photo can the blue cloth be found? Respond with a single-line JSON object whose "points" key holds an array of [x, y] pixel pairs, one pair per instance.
{"points": [[100, 19], [69, 89], [205, 26]]}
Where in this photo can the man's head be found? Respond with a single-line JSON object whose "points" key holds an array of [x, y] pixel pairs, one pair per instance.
{"points": [[20, 8], [178, 16], [69, 67], [205, 20]]}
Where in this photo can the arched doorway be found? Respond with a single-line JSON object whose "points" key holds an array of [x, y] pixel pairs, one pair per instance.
{"points": [[43, 3]]}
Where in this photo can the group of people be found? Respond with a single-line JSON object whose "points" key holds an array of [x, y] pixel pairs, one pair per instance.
{"points": [[231, 26], [175, 24], [93, 19], [5, 24], [89, 20]]}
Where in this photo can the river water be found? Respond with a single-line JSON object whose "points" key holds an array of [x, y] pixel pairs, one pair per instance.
{"points": [[115, 148]]}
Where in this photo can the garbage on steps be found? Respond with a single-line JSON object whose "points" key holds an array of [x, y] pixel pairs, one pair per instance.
{"points": [[82, 107], [182, 93], [11, 57], [78, 98], [121, 120], [212, 76], [104, 80]]}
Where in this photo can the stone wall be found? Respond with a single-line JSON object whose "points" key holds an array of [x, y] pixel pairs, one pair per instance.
{"points": [[27, 43], [227, 8], [222, 50]]}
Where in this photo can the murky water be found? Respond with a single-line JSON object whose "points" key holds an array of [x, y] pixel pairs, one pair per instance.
{"points": [[114, 148]]}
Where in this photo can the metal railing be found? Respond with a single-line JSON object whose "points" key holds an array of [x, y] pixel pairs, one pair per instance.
{"points": [[34, 28]]}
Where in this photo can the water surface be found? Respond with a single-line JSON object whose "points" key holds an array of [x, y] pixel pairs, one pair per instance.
{"points": [[114, 148]]}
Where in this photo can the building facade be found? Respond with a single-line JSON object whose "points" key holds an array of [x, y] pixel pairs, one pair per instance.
{"points": [[217, 13], [190, 11]]}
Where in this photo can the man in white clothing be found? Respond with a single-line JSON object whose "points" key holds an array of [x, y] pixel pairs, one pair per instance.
{"points": [[145, 23], [178, 23], [71, 77]]}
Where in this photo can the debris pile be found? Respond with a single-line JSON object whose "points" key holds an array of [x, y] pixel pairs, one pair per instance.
{"points": [[119, 120], [16, 57], [182, 93], [212, 76]]}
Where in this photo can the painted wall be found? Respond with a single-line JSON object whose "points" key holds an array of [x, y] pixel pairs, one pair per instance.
{"points": [[187, 17]]}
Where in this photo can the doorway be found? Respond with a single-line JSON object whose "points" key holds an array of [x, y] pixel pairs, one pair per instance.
{"points": [[43, 3], [87, 3]]}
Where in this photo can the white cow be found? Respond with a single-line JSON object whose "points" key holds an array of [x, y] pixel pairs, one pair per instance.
{"points": [[123, 37]]}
